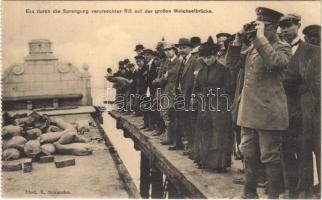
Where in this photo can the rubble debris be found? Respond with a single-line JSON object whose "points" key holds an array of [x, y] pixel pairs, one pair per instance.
{"points": [[33, 133], [62, 124], [50, 137], [48, 149], [11, 130], [82, 125], [53, 128], [32, 148], [9, 166], [65, 163], [17, 142], [46, 159], [77, 149], [27, 166], [11, 154]]}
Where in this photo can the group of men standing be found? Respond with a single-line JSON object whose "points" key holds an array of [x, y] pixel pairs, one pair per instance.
{"points": [[272, 83]]}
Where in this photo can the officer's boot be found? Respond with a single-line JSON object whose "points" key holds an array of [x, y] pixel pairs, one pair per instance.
{"points": [[275, 179], [251, 176]]}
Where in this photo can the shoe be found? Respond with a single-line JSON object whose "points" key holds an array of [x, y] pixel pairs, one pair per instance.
{"points": [[239, 181], [251, 178], [186, 153], [149, 130], [166, 142], [157, 133], [143, 127], [274, 176]]}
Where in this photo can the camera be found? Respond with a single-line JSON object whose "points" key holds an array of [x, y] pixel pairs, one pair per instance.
{"points": [[250, 31]]}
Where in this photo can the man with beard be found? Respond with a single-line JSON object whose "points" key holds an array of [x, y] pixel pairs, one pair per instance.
{"points": [[302, 86], [312, 34], [186, 117]]}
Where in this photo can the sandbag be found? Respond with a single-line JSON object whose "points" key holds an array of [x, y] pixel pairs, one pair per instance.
{"points": [[53, 128], [48, 149], [20, 121], [79, 139], [50, 137], [11, 154], [17, 142], [33, 133], [32, 148], [11, 130], [68, 137], [62, 124], [82, 125], [77, 149]]}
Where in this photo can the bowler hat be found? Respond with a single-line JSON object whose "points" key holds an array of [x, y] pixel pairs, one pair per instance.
{"points": [[139, 57], [184, 42], [139, 47], [312, 29], [126, 61], [147, 51], [268, 15], [195, 41]]}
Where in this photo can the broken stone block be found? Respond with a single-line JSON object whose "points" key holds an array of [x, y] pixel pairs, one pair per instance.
{"points": [[27, 166], [46, 159], [10, 166], [65, 163]]}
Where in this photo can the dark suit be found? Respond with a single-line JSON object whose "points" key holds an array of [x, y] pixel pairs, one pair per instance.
{"points": [[151, 74], [140, 85], [167, 104], [302, 86], [185, 84]]}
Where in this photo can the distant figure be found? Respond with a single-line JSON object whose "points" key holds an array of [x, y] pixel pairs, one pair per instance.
{"points": [[109, 91], [312, 34]]}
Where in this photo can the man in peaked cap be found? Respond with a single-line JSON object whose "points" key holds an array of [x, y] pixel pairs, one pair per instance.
{"points": [[313, 34], [302, 81], [186, 116], [222, 41], [139, 49], [263, 113]]}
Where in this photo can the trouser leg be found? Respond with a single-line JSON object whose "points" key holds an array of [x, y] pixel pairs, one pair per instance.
{"points": [[270, 143], [249, 147], [290, 163]]}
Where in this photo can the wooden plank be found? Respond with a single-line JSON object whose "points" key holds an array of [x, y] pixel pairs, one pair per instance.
{"points": [[188, 180]]}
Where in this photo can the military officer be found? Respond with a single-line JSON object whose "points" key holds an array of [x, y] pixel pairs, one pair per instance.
{"points": [[263, 113], [312, 34], [302, 85]]}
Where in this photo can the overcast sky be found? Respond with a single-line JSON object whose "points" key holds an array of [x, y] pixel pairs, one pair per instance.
{"points": [[101, 40]]}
